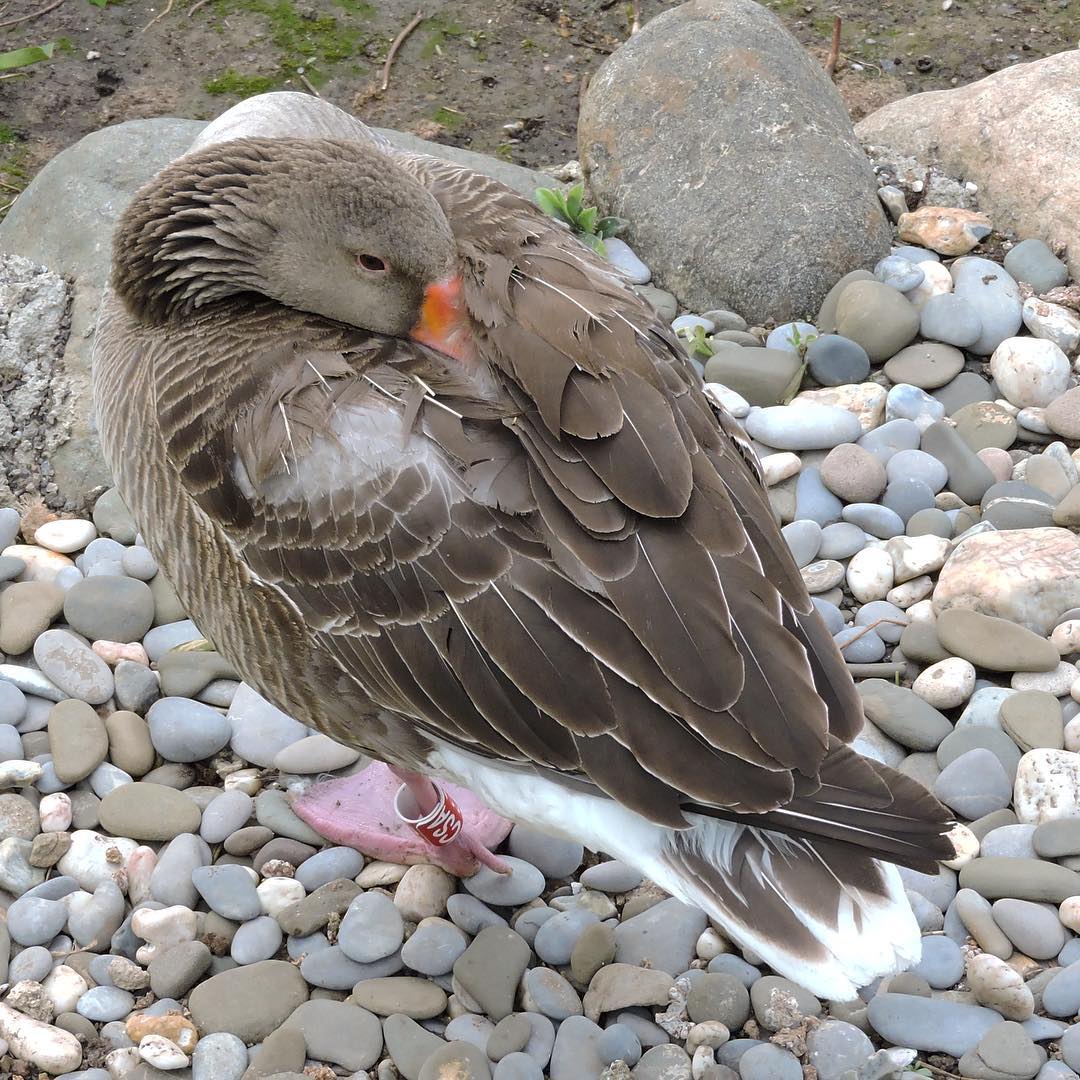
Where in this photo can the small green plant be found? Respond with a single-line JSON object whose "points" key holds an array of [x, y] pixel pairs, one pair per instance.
{"points": [[232, 82], [585, 221], [801, 343], [697, 344], [19, 58]]}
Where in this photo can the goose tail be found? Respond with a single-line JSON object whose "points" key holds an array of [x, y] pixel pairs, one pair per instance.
{"points": [[824, 914]]}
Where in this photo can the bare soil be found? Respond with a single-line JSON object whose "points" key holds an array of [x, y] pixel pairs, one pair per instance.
{"points": [[499, 76]]}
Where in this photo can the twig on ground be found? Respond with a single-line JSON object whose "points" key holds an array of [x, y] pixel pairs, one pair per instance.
{"points": [[307, 82], [834, 49], [195, 7], [635, 24], [33, 14], [396, 44], [161, 15]]}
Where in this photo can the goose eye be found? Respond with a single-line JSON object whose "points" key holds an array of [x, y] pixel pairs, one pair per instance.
{"points": [[371, 262]]}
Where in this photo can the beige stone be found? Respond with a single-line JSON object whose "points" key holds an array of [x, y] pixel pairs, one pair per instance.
{"points": [[974, 132], [944, 229], [1028, 576]]}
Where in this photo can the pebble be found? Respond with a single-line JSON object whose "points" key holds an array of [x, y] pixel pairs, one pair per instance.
{"points": [[73, 666], [228, 890], [522, 884], [946, 230], [110, 608], [434, 947], [490, 968], [183, 730], [803, 540], [903, 715], [619, 254], [1032, 261], [946, 684], [39, 1044], [105, 1003], [255, 940], [791, 336], [841, 540], [814, 501], [924, 1024], [994, 294], [952, 320], [1033, 719], [250, 1002], [554, 857], [994, 644], [1034, 929], [984, 425], [315, 754], [803, 426], [837, 361], [853, 473], [899, 273], [877, 317], [907, 402], [1047, 786], [1053, 322], [995, 984], [149, 812], [1029, 371], [371, 929], [665, 935], [870, 574]]}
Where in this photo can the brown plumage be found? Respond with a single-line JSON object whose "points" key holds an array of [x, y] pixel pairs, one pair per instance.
{"points": [[550, 558]]}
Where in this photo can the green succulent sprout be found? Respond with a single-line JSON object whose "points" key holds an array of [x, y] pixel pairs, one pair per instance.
{"points": [[697, 344], [585, 221]]}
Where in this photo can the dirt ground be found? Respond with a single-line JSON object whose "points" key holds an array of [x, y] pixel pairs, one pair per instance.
{"points": [[499, 76]]}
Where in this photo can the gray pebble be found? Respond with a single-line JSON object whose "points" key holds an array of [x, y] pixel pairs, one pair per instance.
{"points": [[229, 890], [877, 520], [619, 1043], [30, 965], [1009, 842], [371, 929], [470, 914], [665, 935], [974, 784], [769, 1062], [259, 730], [434, 947], [73, 666], [12, 708], [329, 865], [333, 970], [813, 500], [950, 319], [803, 539], [1032, 261], [219, 1056], [184, 731], [528, 923], [926, 1024], [1034, 929], [554, 857], [161, 639], [34, 921], [170, 883], [551, 994], [907, 402], [890, 438], [104, 1003], [942, 963], [136, 686], [524, 883], [612, 876], [906, 497], [555, 940], [858, 645], [841, 540], [256, 940]]}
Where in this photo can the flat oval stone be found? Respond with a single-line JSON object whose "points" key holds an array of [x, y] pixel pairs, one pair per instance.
{"points": [[994, 644], [371, 929], [876, 316], [985, 424], [974, 784], [110, 608], [1034, 719], [1034, 929], [837, 361], [926, 1024], [73, 666], [522, 884], [902, 715], [994, 294], [183, 730], [149, 812], [250, 1002], [803, 427], [1020, 879], [969, 477], [78, 741], [925, 364]]}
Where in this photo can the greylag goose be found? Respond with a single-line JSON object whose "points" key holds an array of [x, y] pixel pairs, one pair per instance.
{"points": [[440, 484]]}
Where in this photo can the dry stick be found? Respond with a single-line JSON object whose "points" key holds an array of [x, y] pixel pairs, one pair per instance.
{"points": [[635, 24], [195, 7], [32, 15], [834, 49], [160, 15], [304, 79], [397, 42]]}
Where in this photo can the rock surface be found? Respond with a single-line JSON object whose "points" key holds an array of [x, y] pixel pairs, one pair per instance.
{"points": [[743, 104], [974, 131]]}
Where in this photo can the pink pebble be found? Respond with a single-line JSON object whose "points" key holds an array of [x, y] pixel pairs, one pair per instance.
{"points": [[997, 461], [112, 652], [55, 812], [140, 866]]}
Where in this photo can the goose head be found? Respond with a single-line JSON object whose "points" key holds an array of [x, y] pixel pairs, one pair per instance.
{"points": [[334, 228]]}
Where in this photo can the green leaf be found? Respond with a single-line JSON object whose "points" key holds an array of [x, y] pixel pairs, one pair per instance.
{"points": [[586, 221], [595, 242], [550, 201], [21, 57], [574, 201], [610, 226], [100, 3]]}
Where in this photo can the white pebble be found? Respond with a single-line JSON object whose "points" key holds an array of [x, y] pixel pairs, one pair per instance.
{"points": [[162, 1053], [914, 556], [778, 467], [16, 773], [94, 859], [277, 893], [165, 927], [936, 282], [245, 780], [710, 944], [870, 574], [1066, 637], [66, 535], [123, 1061], [1057, 682], [1047, 786], [49, 1048], [966, 844], [64, 986], [946, 684], [1072, 729], [911, 592], [923, 611], [1069, 913], [140, 868], [728, 399], [620, 255], [55, 812], [41, 563], [1030, 371]]}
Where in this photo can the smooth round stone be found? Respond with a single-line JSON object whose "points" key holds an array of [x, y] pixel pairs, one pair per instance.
{"points": [[1030, 371], [259, 730], [836, 1047], [841, 540], [371, 929], [870, 574], [250, 1002], [907, 465], [1032, 261], [803, 540], [73, 666], [946, 684], [10, 565], [1061, 995], [853, 473], [822, 575], [1034, 929], [963, 739], [890, 438], [858, 645], [1054, 322], [183, 730], [991, 290], [434, 947], [35, 921], [803, 427], [166, 636], [952, 320], [876, 520], [786, 335], [907, 402], [942, 963], [228, 889], [1057, 682], [550, 994], [524, 883], [876, 316], [1009, 842], [77, 739], [31, 964], [331, 864], [994, 644], [930, 522], [149, 812], [974, 784], [229, 812], [906, 497], [689, 323], [612, 876], [1033, 718], [929, 1024], [12, 708], [18, 818], [769, 1062], [899, 273], [902, 715], [966, 388], [837, 361], [65, 535], [887, 619], [314, 754], [814, 501], [110, 608], [760, 376], [735, 404], [925, 365], [221, 1056], [619, 253], [105, 1003], [985, 424], [258, 939], [1020, 879], [554, 857], [619, 1043], [556, 938]]}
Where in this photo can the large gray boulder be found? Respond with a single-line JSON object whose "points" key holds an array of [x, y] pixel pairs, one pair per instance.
{"points": [[733, 158], [64, 221], [1015, 133]]}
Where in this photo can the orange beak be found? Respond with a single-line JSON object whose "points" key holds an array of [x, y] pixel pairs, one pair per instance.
{"points": [[444, 322]]}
